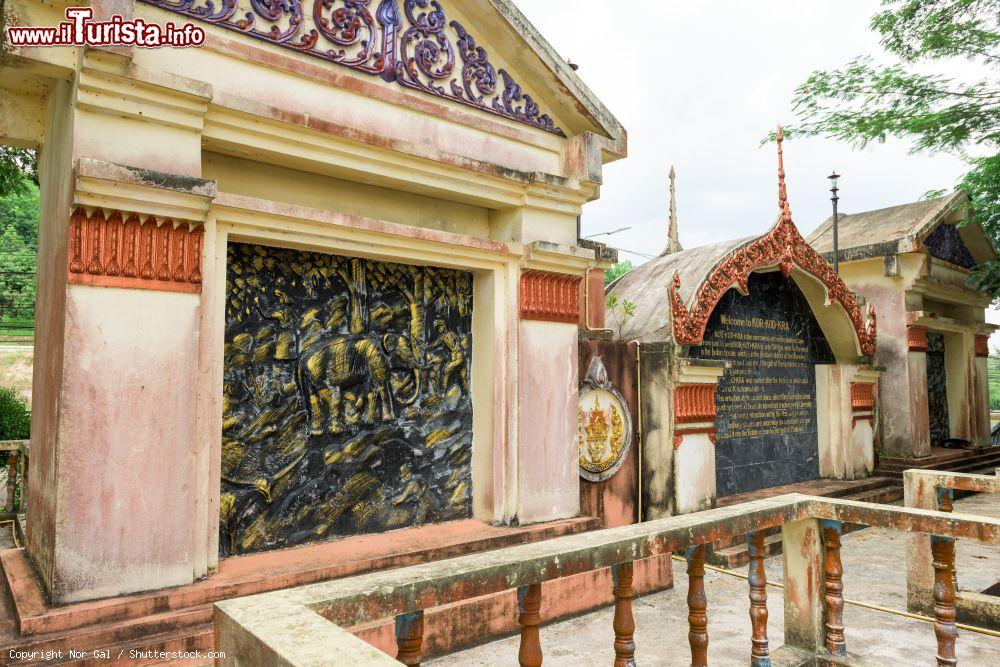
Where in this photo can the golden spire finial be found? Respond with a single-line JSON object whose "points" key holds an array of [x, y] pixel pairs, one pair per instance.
{"points": [[673, 239], [782, 191]]}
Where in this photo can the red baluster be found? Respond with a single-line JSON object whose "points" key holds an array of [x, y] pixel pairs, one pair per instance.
{"points": [[624, 623], [943, 554], [410, 638], [529, 601], [697, 606], [833, 572], [759, 652]]}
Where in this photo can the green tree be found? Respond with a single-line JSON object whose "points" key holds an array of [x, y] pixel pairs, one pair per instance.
{"points": [[617, 271], [19, 210], [866, 101], [17, 277], [15, 165]]}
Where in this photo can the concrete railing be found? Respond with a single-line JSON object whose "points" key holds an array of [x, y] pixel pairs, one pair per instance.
{"points": [[306, 625], [933, 490], [17, 451]]}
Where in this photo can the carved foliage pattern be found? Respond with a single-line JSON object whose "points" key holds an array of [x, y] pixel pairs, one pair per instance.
{"points": [[122, 250], [982, 346], [416, 47], [694, 403], [550, 297], [946, 243], [782, 246]]}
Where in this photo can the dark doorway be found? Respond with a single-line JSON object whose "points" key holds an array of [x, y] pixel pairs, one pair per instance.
{"points": [[937, 389], [766, 401]]}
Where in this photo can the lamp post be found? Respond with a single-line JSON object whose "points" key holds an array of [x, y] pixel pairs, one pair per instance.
{"points": [[836, 236]]}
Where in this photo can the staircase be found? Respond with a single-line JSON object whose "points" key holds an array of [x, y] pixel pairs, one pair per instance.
{"points": [[732, 552], [984, 460]]}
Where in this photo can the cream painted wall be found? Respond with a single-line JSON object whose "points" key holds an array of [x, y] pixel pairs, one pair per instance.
{"points": [[548, 467], [694, 465], [265, 181]]}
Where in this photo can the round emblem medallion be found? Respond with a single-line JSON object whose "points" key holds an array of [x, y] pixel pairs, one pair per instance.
{"points": [[604, 426]]}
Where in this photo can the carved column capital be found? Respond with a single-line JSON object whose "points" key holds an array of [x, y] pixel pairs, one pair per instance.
{"points": [[916, 338], [694, 407], [550, 297], [982, 346], [863, 402]]}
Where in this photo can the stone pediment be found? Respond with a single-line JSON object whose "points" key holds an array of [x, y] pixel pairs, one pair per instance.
{"points": [[422, 45]]}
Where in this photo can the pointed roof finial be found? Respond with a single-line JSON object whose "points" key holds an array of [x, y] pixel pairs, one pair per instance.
{"points": [[673, 239], [786, 210]]}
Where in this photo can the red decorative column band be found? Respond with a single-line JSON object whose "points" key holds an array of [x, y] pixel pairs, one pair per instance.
{"points": [[550, 297], [694, 411], [863, 402], [982, 346], [118, 251], [916, 338]]}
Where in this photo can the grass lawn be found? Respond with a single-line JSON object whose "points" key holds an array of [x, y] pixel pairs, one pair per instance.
{"points": [[15, 370]]}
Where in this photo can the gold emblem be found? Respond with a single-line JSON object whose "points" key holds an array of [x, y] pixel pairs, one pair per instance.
{"points": [[603, 426]]}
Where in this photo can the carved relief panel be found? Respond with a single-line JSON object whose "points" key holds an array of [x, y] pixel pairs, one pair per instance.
{"points": [[346, 403]]}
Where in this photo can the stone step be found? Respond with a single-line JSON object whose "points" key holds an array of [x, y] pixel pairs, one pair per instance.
{"points": [[895, 467], [980, 463], [158, 648], [174, 626]]}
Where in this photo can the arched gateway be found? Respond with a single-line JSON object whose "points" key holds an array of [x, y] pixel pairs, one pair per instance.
{"points": [[757, 368]]}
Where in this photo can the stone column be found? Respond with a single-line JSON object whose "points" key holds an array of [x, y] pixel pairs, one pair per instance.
{"points": [[694, 435], [864, 411], [916, 361], [118, 472], [548, 476], [981, 393], [802, 546]]}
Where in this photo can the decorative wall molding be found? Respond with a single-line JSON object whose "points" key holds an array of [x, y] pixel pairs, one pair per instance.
{"points": [[694, 403], [123, 250], [782, 246], [550, 297], [982, 346], [704, 430], [414, 46], [916, 338]]}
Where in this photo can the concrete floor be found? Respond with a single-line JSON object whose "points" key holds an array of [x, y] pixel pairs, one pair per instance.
{"points": [[874, 572]]}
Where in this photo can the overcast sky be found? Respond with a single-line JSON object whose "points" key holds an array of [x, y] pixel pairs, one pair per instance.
{"points": [[698, 85]]}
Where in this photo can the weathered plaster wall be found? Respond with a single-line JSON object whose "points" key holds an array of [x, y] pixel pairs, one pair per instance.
{"points": [[656, 400], [127, 422], [547, 461], [694, 470], [905, 430]]}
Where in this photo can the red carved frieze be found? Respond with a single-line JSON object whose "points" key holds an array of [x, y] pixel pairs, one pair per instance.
{"points": [[982, 346], [550, 297], [863, 402], [706, 430], [916, 338], [783, 246], [694, 403], [862, 396], [115, 251]]}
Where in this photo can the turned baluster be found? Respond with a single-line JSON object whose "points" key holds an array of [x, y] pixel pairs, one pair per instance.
{"points": [[946, 499], [943, 554], [11, 481], [624, 623], [833, 573], [697, 606], [410, 638], [529, 602], [759, 652]]}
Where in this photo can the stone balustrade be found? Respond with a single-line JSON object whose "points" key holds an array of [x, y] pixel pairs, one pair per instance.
{"points": [[17, 484], [932, 489], [308, 625]]}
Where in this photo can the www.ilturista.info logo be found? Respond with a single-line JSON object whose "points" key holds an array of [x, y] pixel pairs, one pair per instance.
{"points": [[79, 30]]}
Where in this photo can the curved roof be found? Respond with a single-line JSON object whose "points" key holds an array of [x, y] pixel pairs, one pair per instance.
{"points": [[648, 286], [696, 279]]}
